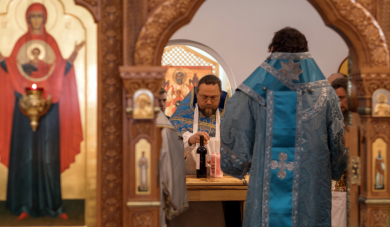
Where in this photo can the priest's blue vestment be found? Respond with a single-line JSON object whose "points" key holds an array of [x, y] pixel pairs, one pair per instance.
{"points": [[284, 124], [183, 117]]}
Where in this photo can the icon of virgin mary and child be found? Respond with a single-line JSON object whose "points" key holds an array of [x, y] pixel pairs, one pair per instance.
{"points": [[36, 159]]}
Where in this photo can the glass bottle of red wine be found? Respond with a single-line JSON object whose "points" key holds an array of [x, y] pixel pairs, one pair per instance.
{"points": [[201, 170]]}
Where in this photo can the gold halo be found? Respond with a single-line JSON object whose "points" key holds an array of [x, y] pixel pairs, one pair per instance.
{"points": [[52, 14], [381, 95], [23, 58], [31, 47], [182, 71], [144, 97]]}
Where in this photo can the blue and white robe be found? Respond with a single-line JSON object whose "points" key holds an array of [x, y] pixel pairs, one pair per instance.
{"points": [[199, 213], [284, 124], [183, 119]]}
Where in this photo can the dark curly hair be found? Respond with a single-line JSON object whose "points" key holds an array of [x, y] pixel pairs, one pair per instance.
{"points": [[340, 82], [288, 40]]}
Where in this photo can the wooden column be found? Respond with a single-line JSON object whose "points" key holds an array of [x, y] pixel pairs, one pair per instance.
{"points": [[374, 204], [356, 22], [148, 25], [140, 137]]}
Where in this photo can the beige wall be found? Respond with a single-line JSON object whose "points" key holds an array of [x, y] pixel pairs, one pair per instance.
{"points": [[240, 31]]}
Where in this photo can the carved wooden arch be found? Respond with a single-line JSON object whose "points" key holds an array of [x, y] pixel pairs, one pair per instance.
{"points": [[348, 18], [165, 20], [364, 37], [359, 29], [93, 6]]}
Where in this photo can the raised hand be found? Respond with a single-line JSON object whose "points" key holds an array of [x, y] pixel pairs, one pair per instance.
{"points": [[78, 47]]}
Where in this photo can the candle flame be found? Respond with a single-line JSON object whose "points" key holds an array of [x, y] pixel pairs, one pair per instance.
{"points": [[34, 86]]}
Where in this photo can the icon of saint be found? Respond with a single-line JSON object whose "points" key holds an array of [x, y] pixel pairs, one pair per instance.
{"points": [[382, 109], [379, 171], [179, 86], [194, 81], [144, 107], [175, 101], [143, 173], [35, 160]]}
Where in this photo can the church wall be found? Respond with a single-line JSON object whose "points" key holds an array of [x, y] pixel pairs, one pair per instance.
{"points": [[240, 32]]}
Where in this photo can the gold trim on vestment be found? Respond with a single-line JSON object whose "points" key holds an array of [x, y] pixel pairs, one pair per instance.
{"points": [[165, 126]]}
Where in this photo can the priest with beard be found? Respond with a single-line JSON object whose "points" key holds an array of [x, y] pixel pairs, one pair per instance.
{"points": [[199, 114], [340, 86]]}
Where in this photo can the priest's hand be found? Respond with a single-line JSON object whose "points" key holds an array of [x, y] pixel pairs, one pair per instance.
{"points": [[196, 138]]}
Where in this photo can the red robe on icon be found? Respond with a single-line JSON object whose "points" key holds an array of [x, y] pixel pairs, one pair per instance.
{"points": [[36, 159]]}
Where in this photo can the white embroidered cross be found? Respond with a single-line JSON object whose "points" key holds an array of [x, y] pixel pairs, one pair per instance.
{"points": [[282, 165]]}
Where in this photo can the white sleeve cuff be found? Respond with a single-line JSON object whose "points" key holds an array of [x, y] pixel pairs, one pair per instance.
{"points": [[186, 137], [187, 148]]}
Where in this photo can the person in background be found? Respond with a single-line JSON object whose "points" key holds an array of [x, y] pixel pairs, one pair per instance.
{"points": [[162, 100], [339, 196], [173, 191], [205, 103], [334, 76], [340, 85], [199, 114]]}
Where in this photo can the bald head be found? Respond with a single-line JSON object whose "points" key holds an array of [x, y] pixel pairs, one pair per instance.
{"points": [[336, 76]]}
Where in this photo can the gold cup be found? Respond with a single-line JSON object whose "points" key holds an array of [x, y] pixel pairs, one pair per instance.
{"points": [[34, 106]]}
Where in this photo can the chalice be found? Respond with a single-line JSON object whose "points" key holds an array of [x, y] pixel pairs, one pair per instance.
{"points": [[33, 105]]}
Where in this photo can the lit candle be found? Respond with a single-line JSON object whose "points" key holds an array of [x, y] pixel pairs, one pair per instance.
{"points": [[34, 86]]}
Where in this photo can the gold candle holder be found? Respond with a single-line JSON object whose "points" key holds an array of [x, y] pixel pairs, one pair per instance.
{"points": [[34, 106]]}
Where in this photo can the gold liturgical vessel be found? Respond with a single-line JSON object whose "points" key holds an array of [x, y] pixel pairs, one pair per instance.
{"points": [[34, 106]]}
